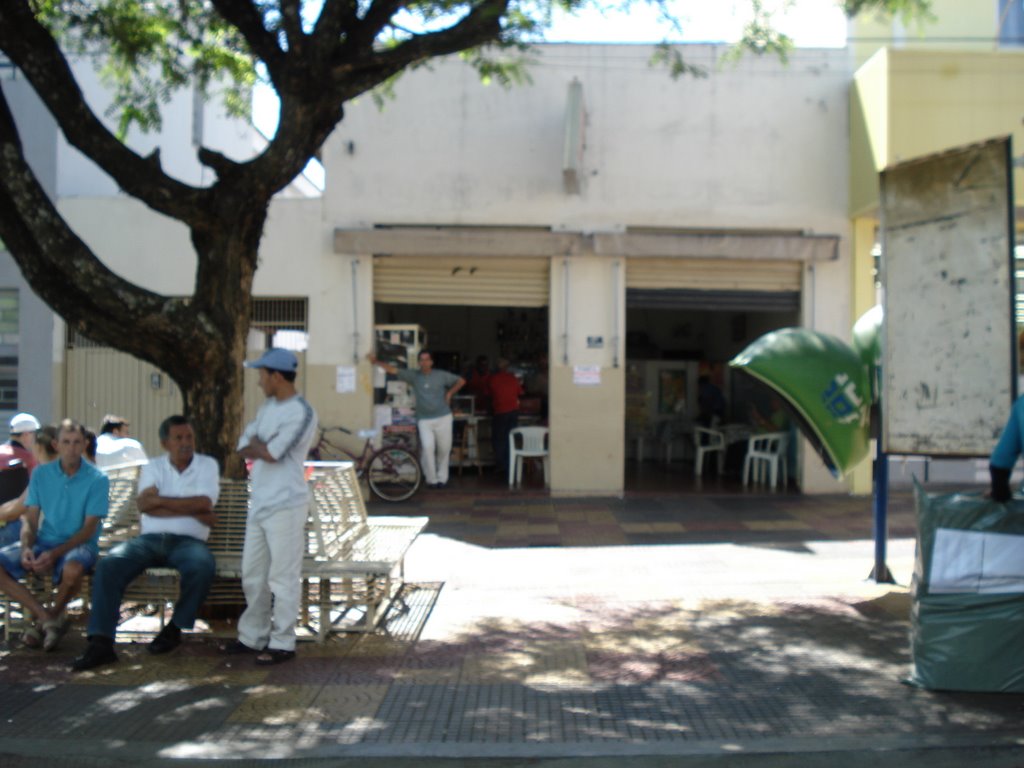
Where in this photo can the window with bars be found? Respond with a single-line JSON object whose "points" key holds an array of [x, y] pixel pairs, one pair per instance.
{"points": [[277, 321]]}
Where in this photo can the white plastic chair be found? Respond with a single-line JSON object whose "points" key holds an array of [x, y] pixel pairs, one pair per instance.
{"points": [[765, 453], [708, 441], [534, 446]]}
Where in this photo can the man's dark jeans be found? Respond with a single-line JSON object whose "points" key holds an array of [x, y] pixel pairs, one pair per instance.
{"points": [[115, 571]]}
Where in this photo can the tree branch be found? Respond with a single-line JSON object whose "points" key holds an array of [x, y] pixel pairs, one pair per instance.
{"points": [[335, 16], [65, 273], [31, 47], [291, 22], [244, 15], [363, 33], [312, 116], [481, 25]]}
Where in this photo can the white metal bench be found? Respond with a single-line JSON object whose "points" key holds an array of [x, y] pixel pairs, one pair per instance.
{"points": [[354, 564]]}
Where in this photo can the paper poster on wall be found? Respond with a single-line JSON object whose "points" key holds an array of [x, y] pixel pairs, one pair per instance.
{"points": [[345, 379], [586, 375]]}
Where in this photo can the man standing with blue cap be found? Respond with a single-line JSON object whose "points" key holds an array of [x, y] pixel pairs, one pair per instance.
{"points": [[276, 442]]}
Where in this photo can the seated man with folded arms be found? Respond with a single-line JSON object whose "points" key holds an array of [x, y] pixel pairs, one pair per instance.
{"points": [[177, 493], [71, 496]]}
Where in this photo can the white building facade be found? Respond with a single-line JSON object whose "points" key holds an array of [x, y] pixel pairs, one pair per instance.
{"points": [[615, 214]]}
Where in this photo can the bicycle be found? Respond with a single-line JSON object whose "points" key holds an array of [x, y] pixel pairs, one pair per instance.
{"points": [[393, 473]]}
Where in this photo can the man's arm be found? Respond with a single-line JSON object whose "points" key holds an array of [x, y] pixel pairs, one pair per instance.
{"points": [[46, 559], [152, 503], [29, 528], [372, 357], [1006, 453], [204, 485], [459, 384], [256, 449]]}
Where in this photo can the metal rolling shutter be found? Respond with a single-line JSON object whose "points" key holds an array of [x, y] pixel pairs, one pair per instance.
{"points": [[462, 280], [725, 284]]}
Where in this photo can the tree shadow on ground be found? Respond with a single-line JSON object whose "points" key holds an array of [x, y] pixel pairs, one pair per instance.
{"points": [[714, 672]]}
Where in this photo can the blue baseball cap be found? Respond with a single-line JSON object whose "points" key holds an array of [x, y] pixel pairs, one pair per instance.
{"points": [[275, 359]]}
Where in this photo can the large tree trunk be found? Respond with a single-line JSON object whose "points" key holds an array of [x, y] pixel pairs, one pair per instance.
{"points": [[212, 384], [214, 405]]}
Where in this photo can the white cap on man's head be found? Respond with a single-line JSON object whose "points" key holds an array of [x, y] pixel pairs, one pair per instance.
{"points": [[24, 422], [275, 359]]}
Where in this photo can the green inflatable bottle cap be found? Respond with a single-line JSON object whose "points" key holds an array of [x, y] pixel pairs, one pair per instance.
{"points": [[824, 382]]}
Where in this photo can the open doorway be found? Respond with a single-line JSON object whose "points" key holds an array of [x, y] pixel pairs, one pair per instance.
{"points": [[677, 379], [470, 340]]}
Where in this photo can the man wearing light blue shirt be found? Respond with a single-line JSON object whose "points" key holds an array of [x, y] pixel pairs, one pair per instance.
{"points": [[1007, 451], [72, 496]]}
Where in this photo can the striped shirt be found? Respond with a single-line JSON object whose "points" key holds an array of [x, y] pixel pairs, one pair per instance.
{"points": [[287, 427]]}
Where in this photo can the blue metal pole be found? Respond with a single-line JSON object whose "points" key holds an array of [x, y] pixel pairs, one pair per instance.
{"points": [[880, 573]]}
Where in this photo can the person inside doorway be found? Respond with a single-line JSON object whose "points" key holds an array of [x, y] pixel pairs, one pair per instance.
{"points": [[710, 403], [505, 391], [434, 390], [775, 421], [478, 384]]}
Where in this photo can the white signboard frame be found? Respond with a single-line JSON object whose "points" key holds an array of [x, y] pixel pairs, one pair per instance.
{"points": [[949, 363]]}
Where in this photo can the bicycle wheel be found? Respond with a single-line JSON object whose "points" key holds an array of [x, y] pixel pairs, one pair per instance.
{"points": [[394, 474]]}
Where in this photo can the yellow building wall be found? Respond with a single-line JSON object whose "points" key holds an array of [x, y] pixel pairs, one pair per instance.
{"points": [[928, 102], [940, 100], [587, 381], [869, 131], [967, 23]]}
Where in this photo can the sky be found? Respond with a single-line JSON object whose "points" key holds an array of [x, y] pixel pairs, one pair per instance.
{"points": [[811, 23]]}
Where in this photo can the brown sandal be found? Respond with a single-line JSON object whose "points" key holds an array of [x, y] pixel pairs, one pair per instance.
{"points": [[32, 637]]}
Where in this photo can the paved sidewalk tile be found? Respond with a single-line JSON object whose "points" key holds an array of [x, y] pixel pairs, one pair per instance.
{"points": [[745, 622]]}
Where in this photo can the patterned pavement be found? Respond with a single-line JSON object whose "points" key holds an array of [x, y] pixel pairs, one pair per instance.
{"points": [[539, 627]]}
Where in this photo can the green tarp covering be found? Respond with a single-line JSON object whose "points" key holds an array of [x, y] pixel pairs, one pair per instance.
{"points": [[967, 615], [826, 384]]}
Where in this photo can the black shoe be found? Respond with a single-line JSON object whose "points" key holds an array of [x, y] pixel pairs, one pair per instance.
{"points": [[168, 639], [237, 648], [273, 656], [97, 653]]}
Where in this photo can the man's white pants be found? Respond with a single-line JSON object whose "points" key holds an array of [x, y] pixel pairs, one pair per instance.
{"points": [[275, 542], [435, 447]]}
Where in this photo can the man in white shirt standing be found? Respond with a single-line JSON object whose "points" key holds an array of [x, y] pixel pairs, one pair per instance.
{"points": [[276, 442], [177, 493]]}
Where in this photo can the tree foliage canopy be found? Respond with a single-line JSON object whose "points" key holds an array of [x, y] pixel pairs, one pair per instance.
{"points": [[150, 49]]}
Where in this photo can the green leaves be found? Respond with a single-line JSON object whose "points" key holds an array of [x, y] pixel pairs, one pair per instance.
{"points": [[149, 49], [146, 51]]}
